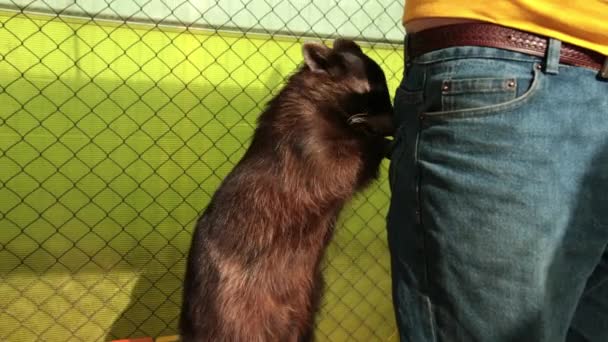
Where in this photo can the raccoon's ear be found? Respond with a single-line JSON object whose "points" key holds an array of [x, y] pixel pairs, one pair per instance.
{"points": [[341, 44], [316, 56]]}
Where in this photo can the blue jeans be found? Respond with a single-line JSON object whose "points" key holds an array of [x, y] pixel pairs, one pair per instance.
{"points": [[498, 224]]}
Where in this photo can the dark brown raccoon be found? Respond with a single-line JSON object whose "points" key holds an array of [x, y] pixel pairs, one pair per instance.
{"points": [[253, 269]]}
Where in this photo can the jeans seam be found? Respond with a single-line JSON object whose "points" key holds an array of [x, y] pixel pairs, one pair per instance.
{"points": [[424, 291], [395, 156], [418, 180], [420, 224]]}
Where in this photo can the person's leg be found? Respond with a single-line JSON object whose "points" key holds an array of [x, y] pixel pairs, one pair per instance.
{"points": [[498, 181], [590, 322]]}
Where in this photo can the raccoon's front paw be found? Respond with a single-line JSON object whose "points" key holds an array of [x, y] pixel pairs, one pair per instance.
{"points": [[360, 123], [372, 125]]}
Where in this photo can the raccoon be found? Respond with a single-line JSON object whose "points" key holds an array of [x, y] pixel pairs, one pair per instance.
{"points": [[253, 270]]}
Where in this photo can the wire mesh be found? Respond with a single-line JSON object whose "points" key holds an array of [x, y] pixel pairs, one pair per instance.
{"points": [[118, 120]]}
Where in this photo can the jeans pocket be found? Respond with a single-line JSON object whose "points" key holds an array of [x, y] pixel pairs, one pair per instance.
{"points": [[460, 96]]}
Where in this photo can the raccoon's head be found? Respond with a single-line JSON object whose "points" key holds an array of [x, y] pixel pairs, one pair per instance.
{"points": [[356, 83]]}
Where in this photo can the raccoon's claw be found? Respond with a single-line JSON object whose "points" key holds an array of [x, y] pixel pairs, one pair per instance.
{"points": [[360, 123], [360, 118], [381, 125]]}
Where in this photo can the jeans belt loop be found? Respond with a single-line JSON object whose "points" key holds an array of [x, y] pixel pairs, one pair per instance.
{"points": [[604, 69], [552, 56]]}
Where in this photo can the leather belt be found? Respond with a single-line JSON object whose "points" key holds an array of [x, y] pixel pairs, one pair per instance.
{"points": [[491, 35]]}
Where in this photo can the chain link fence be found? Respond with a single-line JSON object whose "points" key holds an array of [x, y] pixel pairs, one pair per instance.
{"points": [[119, 119]]}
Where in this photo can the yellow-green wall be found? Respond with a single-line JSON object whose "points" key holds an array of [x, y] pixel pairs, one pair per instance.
{"points": [[112, 139]]}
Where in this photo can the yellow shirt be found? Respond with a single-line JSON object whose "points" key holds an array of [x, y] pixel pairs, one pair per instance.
{"points": [[579, 22]]}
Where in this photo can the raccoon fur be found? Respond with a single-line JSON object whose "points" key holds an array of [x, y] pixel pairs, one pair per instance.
{"points": [[253, 270]]}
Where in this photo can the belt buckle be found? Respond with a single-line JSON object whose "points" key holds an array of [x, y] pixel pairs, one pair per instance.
{"points": [[604, 69]]}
